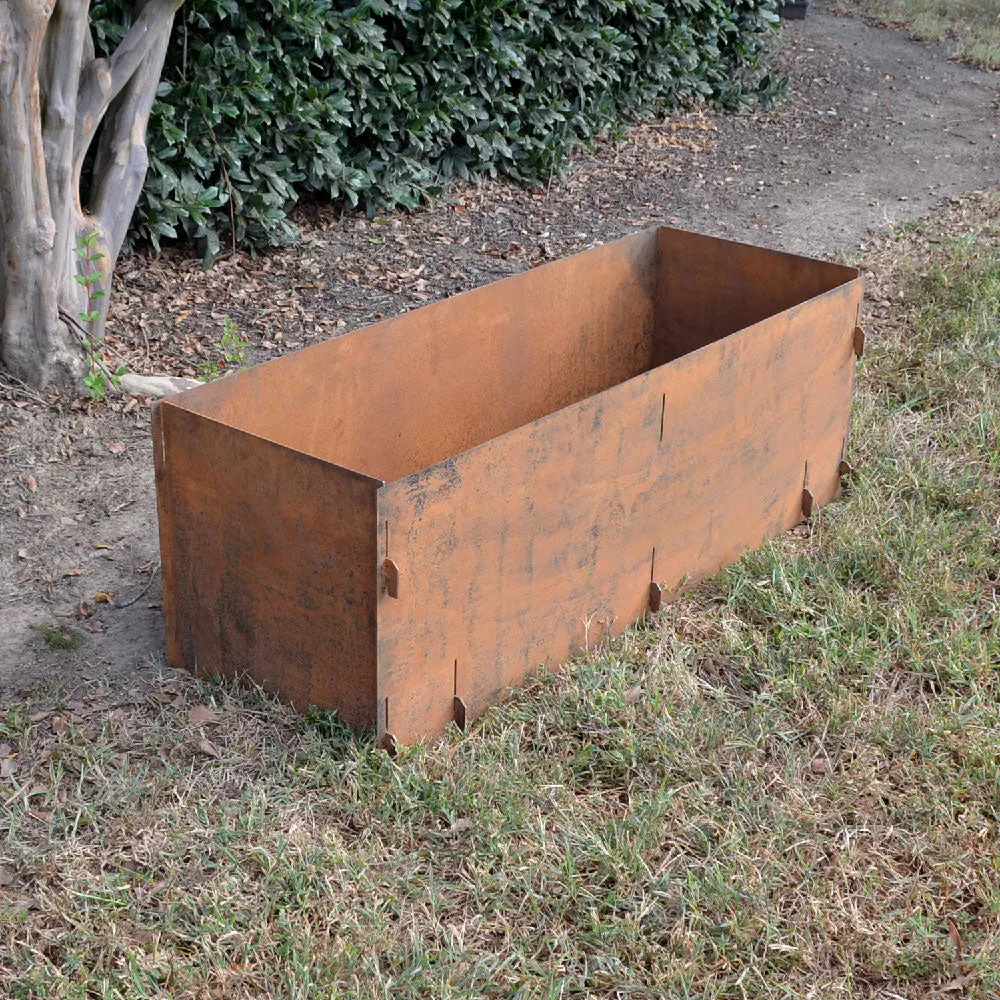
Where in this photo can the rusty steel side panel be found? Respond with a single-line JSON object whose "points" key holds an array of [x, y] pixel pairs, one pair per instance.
{"points": [[268, 564], [526, 549], [401, 395], [709, 287]]}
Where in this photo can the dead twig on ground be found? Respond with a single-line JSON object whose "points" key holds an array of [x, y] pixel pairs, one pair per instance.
{"points": [[122, 605]]}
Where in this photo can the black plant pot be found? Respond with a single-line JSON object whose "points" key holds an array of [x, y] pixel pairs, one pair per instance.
{"points": [[794, 10]]}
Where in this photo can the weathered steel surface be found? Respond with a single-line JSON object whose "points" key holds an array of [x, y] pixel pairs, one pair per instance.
{"points": [[561, 450], [268, 564], [531, 547], [708, 288], [399, 396]]}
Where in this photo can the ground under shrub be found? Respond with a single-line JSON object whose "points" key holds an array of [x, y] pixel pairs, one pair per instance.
{"points": [[384, 101]]}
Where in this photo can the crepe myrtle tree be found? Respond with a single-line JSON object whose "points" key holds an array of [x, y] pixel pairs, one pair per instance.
{"points": [[70, 123]]}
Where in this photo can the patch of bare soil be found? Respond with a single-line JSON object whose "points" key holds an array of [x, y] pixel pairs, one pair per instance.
{"points": [[876, 129]]}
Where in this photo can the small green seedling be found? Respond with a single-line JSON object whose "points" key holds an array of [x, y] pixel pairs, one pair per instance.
{"points": [[233, 349], [99, 377]]}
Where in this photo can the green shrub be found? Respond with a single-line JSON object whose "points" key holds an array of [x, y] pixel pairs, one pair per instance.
{"points": [[382, 102]]}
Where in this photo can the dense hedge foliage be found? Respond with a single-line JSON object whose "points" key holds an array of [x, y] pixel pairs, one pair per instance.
{"points": [[383, 101]]}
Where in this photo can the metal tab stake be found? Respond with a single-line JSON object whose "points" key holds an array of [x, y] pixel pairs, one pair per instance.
{"points": [[808, 502], [845, 469], [655, 597], [458, 704], [391, 578], [859, 341], [387, 741]]}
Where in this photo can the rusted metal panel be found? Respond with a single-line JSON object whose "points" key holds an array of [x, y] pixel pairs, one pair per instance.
{"points": [[402, 395], [539, 463], [268, 564], [709, 287], [531, 547]]}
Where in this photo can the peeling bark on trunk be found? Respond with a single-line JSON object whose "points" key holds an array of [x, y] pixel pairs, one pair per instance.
{"points": [[60, 99]]}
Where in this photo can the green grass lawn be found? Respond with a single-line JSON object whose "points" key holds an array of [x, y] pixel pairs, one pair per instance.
{"points": [[971, 26], [789, 787]]}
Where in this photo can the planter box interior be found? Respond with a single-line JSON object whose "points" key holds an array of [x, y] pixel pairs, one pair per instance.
{"points": [[401, 523]]}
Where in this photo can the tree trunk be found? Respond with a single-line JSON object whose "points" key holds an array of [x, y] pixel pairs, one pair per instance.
{"points": [[60, 98]]}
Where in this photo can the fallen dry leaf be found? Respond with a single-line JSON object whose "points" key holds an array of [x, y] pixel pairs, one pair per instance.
{"points": [[116, 447], [31, 482], [73, 572], [209, 748], [955, 938], [201, 715], [22, 553], [461, 825]]}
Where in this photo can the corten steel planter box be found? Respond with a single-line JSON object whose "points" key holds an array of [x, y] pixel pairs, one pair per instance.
{"points": [[401, 523]]}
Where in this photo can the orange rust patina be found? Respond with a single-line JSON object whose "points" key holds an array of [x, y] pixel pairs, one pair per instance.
{"points": [[402, 523]]}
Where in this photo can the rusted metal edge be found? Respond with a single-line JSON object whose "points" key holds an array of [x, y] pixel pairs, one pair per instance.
{"points": [[164, 522], [461, 713], [175, 403]]}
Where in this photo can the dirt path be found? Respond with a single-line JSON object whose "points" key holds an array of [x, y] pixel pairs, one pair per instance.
{"points": [[877, 129], [884, 128]]}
